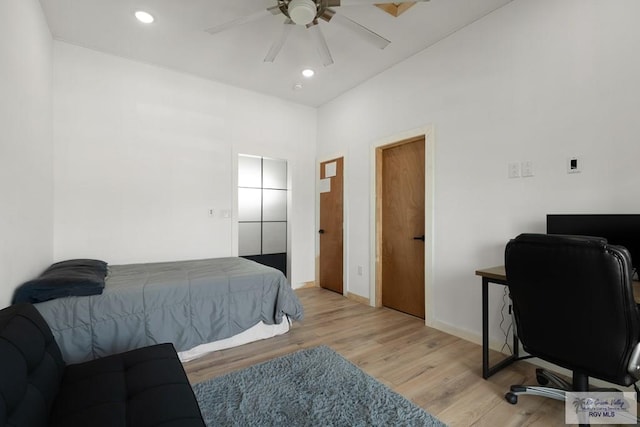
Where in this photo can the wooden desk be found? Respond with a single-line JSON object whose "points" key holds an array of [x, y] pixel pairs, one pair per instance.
{"points": [[498, 276]]}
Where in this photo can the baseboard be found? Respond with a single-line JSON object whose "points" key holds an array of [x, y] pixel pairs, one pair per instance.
{"points": [[464, 334], [306, 285], [358, 298]]}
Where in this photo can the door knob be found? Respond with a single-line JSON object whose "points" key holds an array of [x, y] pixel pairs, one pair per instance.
{"points": [[321, 231], [419, 238]]}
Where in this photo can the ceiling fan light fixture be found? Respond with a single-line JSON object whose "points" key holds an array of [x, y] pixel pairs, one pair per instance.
{"points": [[302, 12]]}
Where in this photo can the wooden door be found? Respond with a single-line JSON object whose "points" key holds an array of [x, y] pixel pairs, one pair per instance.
{"points": [[402, 199], [331, 219]]}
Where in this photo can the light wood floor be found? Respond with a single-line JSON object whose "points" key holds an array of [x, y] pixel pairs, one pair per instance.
{"points": [[439, 372]]}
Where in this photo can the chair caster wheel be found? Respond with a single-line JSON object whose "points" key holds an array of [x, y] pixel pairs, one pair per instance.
{"points": [[511, 398], [542, 380]]}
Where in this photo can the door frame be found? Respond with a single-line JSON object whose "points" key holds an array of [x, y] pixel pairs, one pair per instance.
{"points": [[345, 209], [375, 285]]}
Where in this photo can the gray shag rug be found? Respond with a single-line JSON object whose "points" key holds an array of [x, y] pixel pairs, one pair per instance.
{"points": [[312, 387]]}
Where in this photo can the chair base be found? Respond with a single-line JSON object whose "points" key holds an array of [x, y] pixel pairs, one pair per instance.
{"points": [[557, 387], [512, 396], [553, 386]]}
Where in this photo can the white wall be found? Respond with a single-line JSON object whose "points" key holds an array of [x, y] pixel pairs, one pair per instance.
{"points": [[142, 153], [26, 165], [536, 80]]}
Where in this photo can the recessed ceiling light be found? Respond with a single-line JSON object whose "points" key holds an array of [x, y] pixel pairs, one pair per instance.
{"points": [[144, 17], [308, 72]]}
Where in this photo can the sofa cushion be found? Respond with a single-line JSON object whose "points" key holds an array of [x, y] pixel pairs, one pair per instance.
{"points": [[143, 387], [31, 367]]}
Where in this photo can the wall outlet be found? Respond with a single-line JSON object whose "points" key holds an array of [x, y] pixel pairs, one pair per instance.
{"points": [[211, 212], [514, 170]]}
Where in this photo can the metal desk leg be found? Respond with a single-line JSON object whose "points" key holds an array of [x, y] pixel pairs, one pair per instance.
{"points": [[487, 370], [485, 328], [516, 342]]}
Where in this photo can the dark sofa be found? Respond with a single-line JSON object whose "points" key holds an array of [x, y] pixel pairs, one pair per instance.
{"points": [[143, 387]]}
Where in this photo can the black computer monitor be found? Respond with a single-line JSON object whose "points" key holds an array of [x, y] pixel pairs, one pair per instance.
{"points": [[622, 230]]}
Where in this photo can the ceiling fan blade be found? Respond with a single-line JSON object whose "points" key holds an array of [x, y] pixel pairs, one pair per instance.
{"points": [[274, 10], [279, 42], [321, 43], [366, 33], [336, 3]]}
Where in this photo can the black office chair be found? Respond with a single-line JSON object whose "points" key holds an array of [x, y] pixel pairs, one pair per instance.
{"points": [[574, 307]]}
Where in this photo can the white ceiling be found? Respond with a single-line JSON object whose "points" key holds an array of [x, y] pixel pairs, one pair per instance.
{"points": [[177, 40]]}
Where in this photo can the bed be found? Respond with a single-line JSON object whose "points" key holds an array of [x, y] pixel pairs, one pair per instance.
{"points": [[195, 305]]}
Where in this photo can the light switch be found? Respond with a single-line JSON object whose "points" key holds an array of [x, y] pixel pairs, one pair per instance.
{"points": [[527, 168]]}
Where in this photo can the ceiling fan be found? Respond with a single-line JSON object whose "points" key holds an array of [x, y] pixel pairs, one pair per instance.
{"points": [[307, 13]]}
